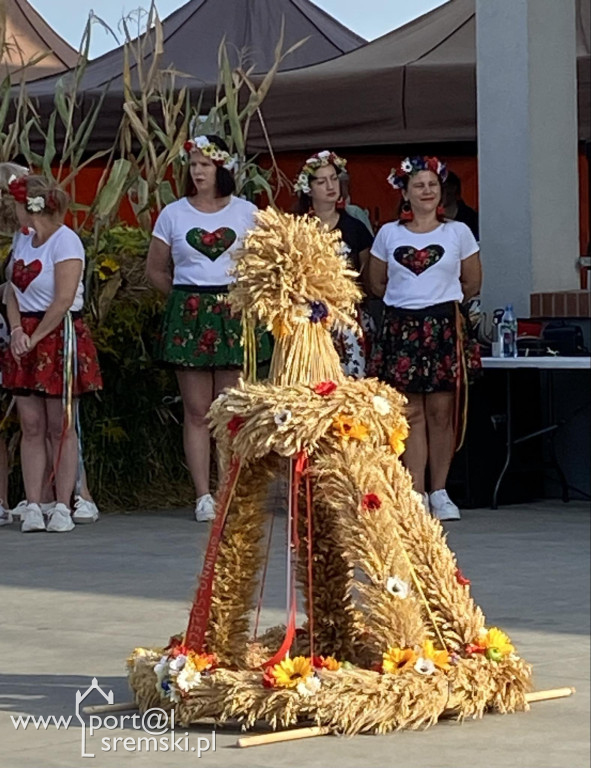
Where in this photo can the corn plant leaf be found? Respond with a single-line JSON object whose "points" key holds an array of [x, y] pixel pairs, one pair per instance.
{"points": [[111, 194]]}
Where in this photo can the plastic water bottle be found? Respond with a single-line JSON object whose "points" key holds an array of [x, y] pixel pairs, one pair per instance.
{"points": [[508, 333]]}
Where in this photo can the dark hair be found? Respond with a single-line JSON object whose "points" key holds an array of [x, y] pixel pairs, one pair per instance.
{"points": [[303, 203], [453, 182], [224, 179]]}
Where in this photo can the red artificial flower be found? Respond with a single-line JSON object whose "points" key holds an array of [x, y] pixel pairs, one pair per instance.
{"points": [[18, 189], [25, 231], [371, 502], [461, 579], [188, 146], [325, 388], [269, 679], [473, 648], [178, 650], [235, 425], [432, 164]]}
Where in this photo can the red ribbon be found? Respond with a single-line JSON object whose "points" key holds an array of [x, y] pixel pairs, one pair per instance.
{"points": [[299, 465], [199, 617]]}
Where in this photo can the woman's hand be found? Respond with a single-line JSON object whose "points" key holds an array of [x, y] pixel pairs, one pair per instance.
{"points": [[20, 343]]}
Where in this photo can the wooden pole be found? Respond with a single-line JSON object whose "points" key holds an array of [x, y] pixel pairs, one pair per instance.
{"points": [[553, 693], [274, 738], [125, 706]]}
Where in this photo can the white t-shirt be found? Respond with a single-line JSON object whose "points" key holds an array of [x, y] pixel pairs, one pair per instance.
{"points": [[33, 269], [423, 269], [201, 244]]}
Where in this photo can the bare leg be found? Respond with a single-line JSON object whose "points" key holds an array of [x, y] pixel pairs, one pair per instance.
{"points": [[48, 492], [3, 473], [65, 451], [221, 380], [196, 389], [415, 455], [33, 421], [439, 408]]}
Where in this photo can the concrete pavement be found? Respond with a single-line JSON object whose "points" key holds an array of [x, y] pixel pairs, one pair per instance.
{"points": [[72, 606]]}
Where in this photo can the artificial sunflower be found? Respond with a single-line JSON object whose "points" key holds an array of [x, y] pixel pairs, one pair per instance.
{"points": [[396, 660], [398, 437], [289, 672], [439, 658], [107, 268], [349, 428], [495, 643]]}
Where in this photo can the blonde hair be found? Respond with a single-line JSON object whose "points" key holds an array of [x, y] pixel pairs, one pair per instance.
{"points": [[56, 200], [8, 221]]}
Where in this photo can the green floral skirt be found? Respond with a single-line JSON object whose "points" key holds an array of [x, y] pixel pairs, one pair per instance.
{"points": [[199, 330]]}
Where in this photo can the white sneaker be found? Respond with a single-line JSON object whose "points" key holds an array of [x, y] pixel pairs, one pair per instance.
{"points": [[205, 509], [17, 511], [85, 511], [442, 507], [5, 516], [32, 519], [60, 519]]}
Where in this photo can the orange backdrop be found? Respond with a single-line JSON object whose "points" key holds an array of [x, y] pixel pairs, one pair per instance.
{"points": [[368, 172]]}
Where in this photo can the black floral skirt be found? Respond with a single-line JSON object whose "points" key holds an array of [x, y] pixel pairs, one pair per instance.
{"points": [[416, 350]]}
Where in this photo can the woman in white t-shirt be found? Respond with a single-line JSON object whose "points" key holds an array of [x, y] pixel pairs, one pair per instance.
{"points": [[425, 267], [190, 258], [51, 352]]}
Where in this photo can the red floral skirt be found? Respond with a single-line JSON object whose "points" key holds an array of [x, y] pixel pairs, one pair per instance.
{"points": [[416, 350], [41, 370]]}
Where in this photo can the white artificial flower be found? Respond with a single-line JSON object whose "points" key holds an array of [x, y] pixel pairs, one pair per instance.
{"points": [[161, 668], [35, 204], [406, 165], [424, 666], [282, 418], [231, 163], [397, 587], [381, 405], [188, 678], [12, 178], [173, 694], [302, 184], [201, 141], [392, 178], [324, 154], [309, 686], [178, 663]]}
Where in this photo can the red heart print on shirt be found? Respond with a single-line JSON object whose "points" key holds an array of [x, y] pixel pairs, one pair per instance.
{"points": [[417, 261], [211, 244], [24, 274]]}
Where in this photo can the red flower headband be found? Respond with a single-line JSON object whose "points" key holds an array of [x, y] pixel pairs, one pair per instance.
{"points": [[18, 188]]}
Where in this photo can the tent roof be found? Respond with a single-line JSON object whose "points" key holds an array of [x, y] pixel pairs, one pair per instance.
{"points": [[415, 84], [27, 34], [193, 33]]}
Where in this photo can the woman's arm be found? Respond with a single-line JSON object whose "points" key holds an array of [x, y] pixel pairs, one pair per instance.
{"points": [[363, 269], [471, 276], [378, 276], [67, 278], [19, 341], [158, 266]]}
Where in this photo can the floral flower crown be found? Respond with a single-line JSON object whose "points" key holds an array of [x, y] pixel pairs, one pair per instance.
{"points": [[219, 156], [398, 177], [312, 164], [17, 187]]}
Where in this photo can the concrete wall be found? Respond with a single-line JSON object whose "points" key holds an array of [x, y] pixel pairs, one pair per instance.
{"points": [[527, 145]]}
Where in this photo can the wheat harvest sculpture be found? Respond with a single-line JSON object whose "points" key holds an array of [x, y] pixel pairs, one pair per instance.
{"points": [[393, 638]]}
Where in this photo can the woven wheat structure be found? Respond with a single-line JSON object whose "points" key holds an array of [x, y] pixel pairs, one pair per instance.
{"points": [[393, 638]]}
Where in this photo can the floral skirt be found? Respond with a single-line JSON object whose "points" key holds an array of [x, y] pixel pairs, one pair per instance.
{"points": [[416, 350], [352, 347], [41, 371], [199, 330]]}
